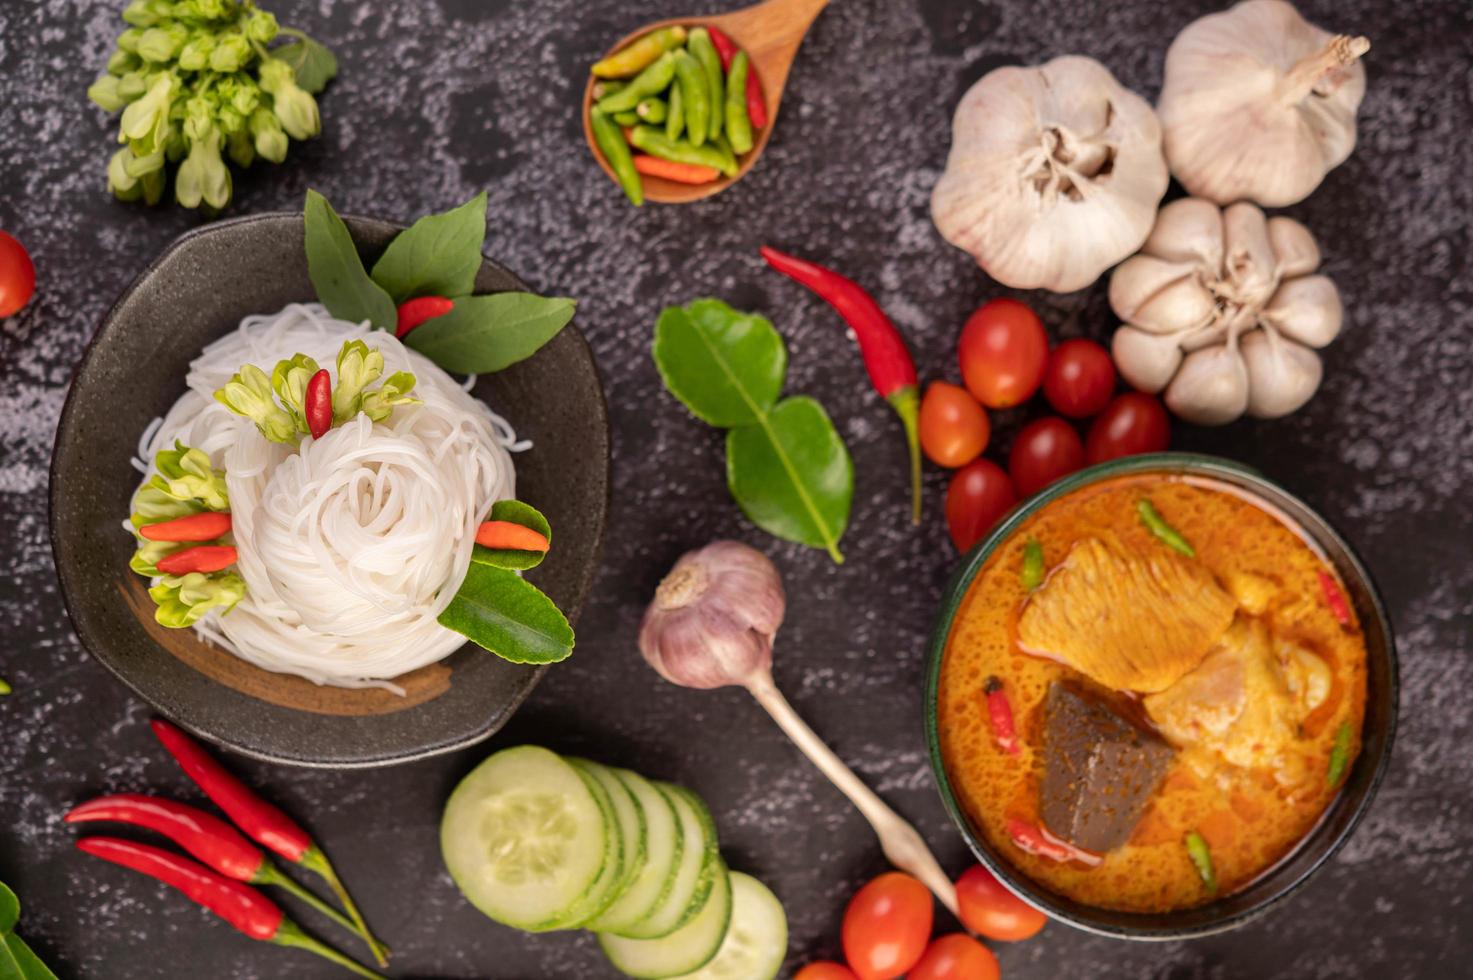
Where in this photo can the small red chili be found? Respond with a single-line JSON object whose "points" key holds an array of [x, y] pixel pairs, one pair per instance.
{"points": [[318, 404], [201, 558], [727, 49], [886, 357], [1334, 598], [1000, 713], [194, 527], [724, 45], [415, 311], [510, 536], [1034, 839]]}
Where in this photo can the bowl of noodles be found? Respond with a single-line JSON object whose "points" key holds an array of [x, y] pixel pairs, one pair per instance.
{"points": [[332, 653]]}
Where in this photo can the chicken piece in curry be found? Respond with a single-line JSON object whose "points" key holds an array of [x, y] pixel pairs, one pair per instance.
{"points": [[1193, 682]]}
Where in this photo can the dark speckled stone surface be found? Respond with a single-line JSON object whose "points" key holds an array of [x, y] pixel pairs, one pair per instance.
{"points": [[440, 99]]}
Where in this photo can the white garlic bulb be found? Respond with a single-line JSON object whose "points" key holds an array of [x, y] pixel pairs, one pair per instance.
{"points": [[1259, 104], [1221, 308], [1054, 174]]}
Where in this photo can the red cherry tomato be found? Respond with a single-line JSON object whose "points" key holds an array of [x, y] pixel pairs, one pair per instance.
{"points": [[954, 428], [825, 970], [1046, 449], [956, 957], [886, 926], [1079, 379], [1003, 351], [986, 906], [980, 493], [1133, 423], [17, 276]]}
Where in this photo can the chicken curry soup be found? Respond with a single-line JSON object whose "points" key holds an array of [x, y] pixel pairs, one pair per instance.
{"points": [[1160, 709]]}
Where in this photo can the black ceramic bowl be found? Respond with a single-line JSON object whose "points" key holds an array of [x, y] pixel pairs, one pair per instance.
{"points": [[133, 371], [1284, 878]]}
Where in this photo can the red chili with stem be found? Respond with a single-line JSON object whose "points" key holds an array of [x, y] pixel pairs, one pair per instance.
{"points": [[201, 558], [206, 526], [318, 404], [240, 905], [886, 357], [413, 312], [1000, 713], [1334, 598], [207, 837], [726, 48], [262, 822]]}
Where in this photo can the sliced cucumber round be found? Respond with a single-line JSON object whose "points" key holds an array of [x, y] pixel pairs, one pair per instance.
{"points": [[694, 877], [605, 887], [664, 844], [628, 822], [757, 939], [525, 838], [688, 948]]}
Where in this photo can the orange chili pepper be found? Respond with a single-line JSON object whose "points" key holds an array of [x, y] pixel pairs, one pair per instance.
{"points": [[204, 558], [193, 527], [510, 536]]}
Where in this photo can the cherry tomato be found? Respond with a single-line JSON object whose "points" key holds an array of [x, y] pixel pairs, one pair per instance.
{"points": [[1133, 423], [825, 970], [956, 957], [954, 428], [1079, 379], [987, 907], [1003, 351], [980, 493], [1046, 449], [17, 276], [886, 926]]}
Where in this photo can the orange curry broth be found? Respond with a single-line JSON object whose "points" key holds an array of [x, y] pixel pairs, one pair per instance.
{"points": [[1249, 828]]}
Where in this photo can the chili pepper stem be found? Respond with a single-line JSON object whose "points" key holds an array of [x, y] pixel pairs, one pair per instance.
{"points": [[906, 401], [272, 875], [316, 861], [289, 934]]}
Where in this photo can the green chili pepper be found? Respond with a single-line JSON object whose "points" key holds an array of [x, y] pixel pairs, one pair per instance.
{"points": [[606, 88], [675, 115], [692, 81], [1157, 525], [1339, 755], [699, 44], [627, 118], [639, 54], [652, 81], [4, 686], [616, 151], [1033, 570], [1201, 856], [657, 144], [738, 123], [652, 110], [724, 148]]}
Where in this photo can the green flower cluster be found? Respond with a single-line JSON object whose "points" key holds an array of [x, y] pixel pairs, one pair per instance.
{"points": [[196, 82], [184, 484], [277, 403]]}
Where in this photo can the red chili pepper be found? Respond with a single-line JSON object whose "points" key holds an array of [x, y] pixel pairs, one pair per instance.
{"points": [[1000, 712], [727, 49], [724, 45], [413, 312], [203, 835], [510, 535], [194, 527], [318, 404], [1334, 598], [240, 905], [1035, 839], [201, 558], [262, 822], [891, 369]]}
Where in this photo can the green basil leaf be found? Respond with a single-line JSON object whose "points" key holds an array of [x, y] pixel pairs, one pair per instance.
{"points": [[9, 909], [792, 476], [727, 367], [30, 965], [518, 513], [487, 333], [337, 272], [438, 255], [312, 63], [499, 610]]}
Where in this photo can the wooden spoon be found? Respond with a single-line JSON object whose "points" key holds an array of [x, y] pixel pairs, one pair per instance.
{"points": [[770, 33]]}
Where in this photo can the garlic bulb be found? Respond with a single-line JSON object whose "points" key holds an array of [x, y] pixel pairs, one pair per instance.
{"points": [[1221, 309], [713, 617], [1054, 174], [1259, 104]]}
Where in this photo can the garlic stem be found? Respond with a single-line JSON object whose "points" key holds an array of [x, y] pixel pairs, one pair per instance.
{"points": [[901, 843], [1308, 73]]}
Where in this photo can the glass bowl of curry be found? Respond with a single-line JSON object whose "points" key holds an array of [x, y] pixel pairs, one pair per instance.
{"points": [[1160, 695]]}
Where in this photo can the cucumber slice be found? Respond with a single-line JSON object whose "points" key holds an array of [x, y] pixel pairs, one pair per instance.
{"points": [[604, 889], [628, 821], [664, 844], [524, 837], [695, 875], [757, 939], [688, 948]]}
